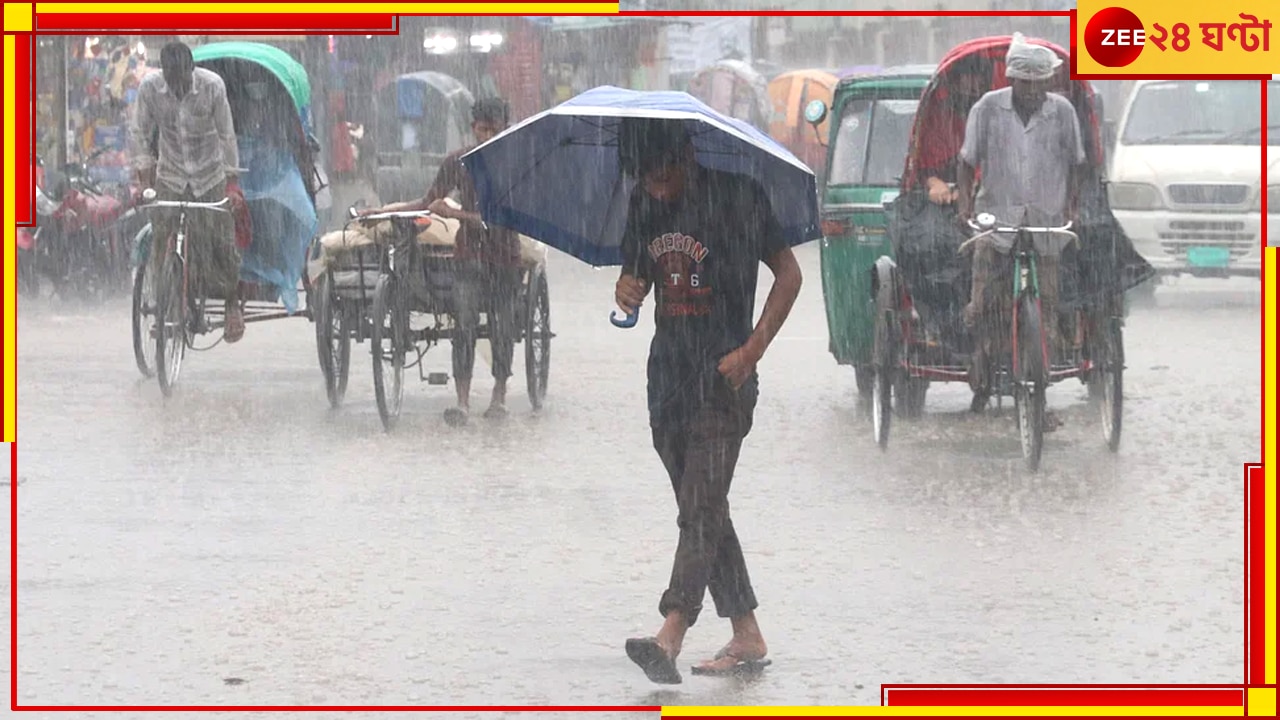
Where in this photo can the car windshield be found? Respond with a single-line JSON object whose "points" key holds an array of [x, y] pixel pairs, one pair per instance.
{"points": [[1195, 112], [871, 143]]}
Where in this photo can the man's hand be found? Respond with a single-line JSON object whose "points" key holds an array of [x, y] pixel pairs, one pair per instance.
{"points": [[737, 366], [940, 193], [630, 292]]}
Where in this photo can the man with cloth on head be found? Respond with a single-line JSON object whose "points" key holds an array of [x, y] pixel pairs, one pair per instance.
{"points": [[1027, 144]]}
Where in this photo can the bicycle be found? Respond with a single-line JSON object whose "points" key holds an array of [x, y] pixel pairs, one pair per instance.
{"points": [[180, 315], [1030, 363]]}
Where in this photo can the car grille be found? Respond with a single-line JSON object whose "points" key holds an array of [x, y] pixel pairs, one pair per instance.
{"points": [[1209, 194], [1184, 234]]}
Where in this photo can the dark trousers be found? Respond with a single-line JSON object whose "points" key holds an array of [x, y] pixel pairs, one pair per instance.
{"points": [[700, 455], [494, 290]]}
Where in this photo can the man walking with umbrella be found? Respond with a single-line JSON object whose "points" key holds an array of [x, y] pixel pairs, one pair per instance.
{"points": [[697, 237]]}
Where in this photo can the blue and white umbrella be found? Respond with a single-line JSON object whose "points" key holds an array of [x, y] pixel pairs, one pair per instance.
{"points": [[556, 176]]}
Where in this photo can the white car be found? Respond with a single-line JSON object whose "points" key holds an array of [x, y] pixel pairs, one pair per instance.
{"points": [[1185, 176]]}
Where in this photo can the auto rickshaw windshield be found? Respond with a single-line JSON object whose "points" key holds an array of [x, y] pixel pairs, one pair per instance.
{"points": [[871, 141]]}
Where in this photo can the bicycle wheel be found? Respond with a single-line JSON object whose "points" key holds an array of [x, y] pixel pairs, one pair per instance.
{"points": [[170, 324], [1030, 382], [1111, 380], [333, 339], [144, 319], [389, 344], [537, 338]]}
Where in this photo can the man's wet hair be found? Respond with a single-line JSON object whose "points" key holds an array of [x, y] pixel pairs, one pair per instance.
{"points": [[176, 55], [492, 110], [645, 144]]}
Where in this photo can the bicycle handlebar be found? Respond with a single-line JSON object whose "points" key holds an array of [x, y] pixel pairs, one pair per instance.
{"points": [[149, 195], [374, 217], [987, 225]]}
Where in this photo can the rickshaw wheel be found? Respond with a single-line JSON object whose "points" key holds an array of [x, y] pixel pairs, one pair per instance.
{"points": [[171, 325], [390, 325], [1111, 382], [1031, 382], [537, 337], [144, 303], [333, 339], [882, 390]]}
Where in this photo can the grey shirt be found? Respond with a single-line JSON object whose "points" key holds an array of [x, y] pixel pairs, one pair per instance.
{"points": [[1025, 168], [197, 139]]}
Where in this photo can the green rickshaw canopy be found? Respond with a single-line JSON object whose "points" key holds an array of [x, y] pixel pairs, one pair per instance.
{"points": [[279, 63]]}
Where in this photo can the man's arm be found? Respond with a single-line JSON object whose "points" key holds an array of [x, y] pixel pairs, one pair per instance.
{"points": [[226, 132], [787, 280], [972, 152], [445, 182], [633, 284], [1076, 156], [141, 129]]}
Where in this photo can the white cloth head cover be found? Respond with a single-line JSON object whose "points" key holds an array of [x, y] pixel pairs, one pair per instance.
{"points": [[1030, 62]]}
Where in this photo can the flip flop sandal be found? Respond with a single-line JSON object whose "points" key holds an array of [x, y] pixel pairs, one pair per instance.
{"points": [[456, 417], [654, 661], [739, 668]]}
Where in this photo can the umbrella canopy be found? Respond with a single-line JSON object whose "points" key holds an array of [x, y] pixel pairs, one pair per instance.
{"points": [[556, 177]]}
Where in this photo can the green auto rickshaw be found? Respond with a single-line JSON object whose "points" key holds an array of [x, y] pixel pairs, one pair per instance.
{"points": [[866, 152]]}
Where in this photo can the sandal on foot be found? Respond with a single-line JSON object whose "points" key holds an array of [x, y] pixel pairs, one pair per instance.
{"points": [[654, 661], [496, 412], [739, 667], [455, 416]]}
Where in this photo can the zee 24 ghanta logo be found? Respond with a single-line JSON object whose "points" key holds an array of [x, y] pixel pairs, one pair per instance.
{"points": [[1115, 37]]}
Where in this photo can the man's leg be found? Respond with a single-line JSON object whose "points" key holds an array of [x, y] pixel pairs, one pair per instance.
{"points": [[164, 224], [504, 292], [976, 319], [656, 655], [1047, 274], [214, 257], [467, 292]]}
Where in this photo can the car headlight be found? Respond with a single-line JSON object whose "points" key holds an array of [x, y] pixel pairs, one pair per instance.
{"points": [[1134, 196]]}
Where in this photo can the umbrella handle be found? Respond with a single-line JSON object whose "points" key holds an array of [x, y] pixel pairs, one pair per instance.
{"points": [[627, 322]]}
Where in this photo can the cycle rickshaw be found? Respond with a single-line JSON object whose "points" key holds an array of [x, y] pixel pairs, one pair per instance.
{"points": [[388, 278], [270, 96], [919, 294]]}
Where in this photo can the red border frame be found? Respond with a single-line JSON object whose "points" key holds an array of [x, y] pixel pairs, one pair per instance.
{"points": [[922, 695]]}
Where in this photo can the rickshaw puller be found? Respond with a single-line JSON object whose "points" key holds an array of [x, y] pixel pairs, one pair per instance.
{"points": [[1027, 144], [198, 161], [487, 267]]}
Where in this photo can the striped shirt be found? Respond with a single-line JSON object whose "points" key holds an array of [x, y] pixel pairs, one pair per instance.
{"points": [[197, 141]]}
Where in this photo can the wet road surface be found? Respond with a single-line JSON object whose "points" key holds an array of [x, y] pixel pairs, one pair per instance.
{"points": [[243, 531]]}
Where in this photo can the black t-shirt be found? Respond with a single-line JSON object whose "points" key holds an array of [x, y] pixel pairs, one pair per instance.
{"points": [[702, 253]]}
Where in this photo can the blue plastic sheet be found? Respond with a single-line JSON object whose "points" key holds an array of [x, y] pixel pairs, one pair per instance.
{"points": [[284, 220]]}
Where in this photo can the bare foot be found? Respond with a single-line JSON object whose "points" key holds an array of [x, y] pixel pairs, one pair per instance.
{"points": [[233, 330]]}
